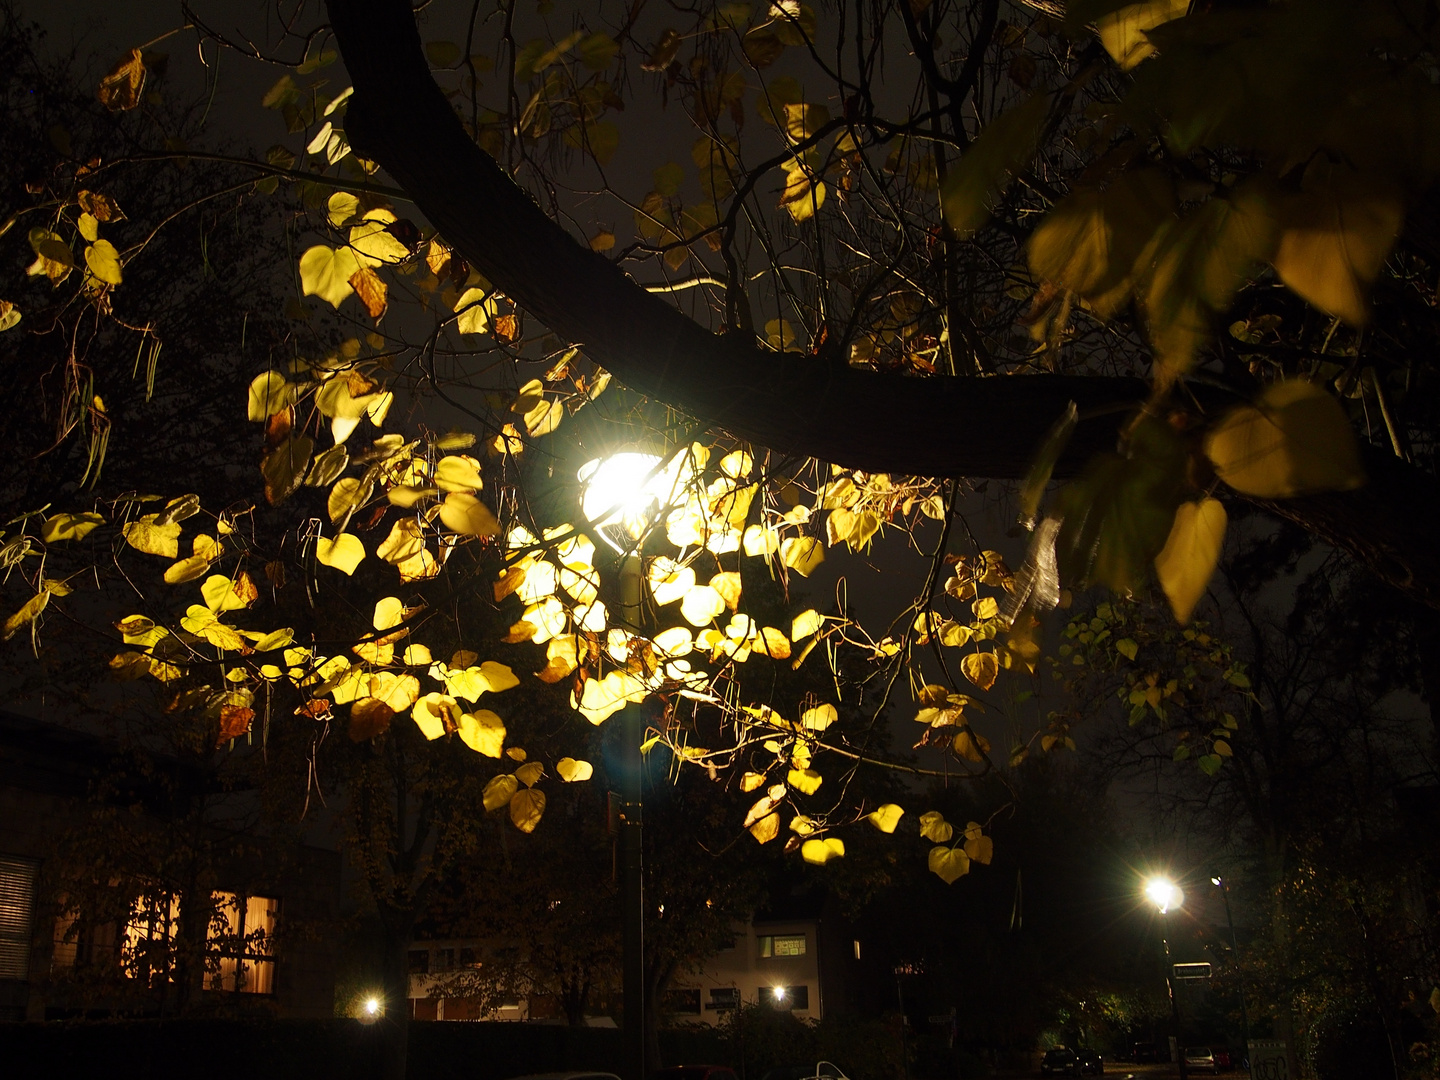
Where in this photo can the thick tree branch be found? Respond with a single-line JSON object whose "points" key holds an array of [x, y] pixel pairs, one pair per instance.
{"points": [[941, 427]]}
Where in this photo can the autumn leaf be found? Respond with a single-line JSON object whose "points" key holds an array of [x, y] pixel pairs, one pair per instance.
{"points": [[120, 88], [371, 290], [981, 668], [526, 808], [326, 272], [572, 771], [949, 864], [499, 791], [1294, 440], [343, 552], [933, 826], [818, 852], [1187, 561], [886, 817]]}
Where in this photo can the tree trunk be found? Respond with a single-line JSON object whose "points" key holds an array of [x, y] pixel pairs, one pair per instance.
{"points": [[792, 403], [657, 983]]}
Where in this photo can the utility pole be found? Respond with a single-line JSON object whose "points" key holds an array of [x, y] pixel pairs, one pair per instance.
{"points": [[630, 844]]}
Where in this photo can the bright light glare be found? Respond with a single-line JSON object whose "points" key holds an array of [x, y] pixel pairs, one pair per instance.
{"points": [[779, 993], [1163, 893], [620, 490], [1214, 881], [372, 1006]]}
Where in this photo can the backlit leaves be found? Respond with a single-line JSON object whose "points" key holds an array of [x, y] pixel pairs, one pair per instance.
{"points": [[818, 852], [149, 536], [325, 272], [344, 552], [886, 817], [981, 668], [120, 88], [977, 180], [1294, 439], [526, 808], [1188, 559], [949, 864]]}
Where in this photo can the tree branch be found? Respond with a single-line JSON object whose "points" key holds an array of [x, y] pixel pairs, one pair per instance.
{"points": [[792, 403]]}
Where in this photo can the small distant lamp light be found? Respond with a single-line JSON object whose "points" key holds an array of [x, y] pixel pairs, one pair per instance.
{"points": [[1164, 894], [621, 490], [370, 1009], [1215, 881]]}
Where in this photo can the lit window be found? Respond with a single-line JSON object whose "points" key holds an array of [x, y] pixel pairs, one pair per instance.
{"points": [[782, 945], [241, 939], [147, 953], [857, 948], [17, 912]]}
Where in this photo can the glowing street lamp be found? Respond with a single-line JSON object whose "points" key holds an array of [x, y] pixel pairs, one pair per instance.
{"points": [[371, 1009], [1166, 895], [622, 490]]}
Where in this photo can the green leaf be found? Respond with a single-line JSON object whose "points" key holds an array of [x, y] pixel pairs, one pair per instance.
{"points": [[975, 183], [1127, 648]]}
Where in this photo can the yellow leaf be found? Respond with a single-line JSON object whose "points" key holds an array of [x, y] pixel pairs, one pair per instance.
{"points": [[886, 817], [971, 747], [27, 614], [475, 311], [145, 535], [572, 771], [1294, 440], [601, 699], [805, 780], [1222, 748], [69, 527], [766, 828], [1334, 239], [341, 208], [819, 852], [751, 780], [1188, 559], [104, 261], [374, 244], [344, 552], [270, 393], [803, 554], [483, 732], [9, 315], [949, 864], [805, 624], [819, 718], [226, 594], [468, 516], [457, 472], [701, 605], [325, 272], [499, 791], [727, 584], [980, 849], [1122, 32], [933, 826], [187, 569], [981, 668], [389, 612], [404, 542], [526, 809], [529, 773]]}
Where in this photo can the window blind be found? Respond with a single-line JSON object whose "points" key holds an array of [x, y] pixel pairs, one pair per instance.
{"points": [[17, 913]]}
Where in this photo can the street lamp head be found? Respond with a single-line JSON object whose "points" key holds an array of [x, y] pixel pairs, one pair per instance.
{"points": [[1164, 894], [622, 491], [779, 993], [1216, 881], [371, 1009]]}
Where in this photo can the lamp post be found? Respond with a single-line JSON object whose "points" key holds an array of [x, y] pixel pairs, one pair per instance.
{"points": [[1224, 887], [1165, 894], [618, 496]]}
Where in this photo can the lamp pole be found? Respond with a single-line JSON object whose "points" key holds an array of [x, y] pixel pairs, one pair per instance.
{"points": [[1224, 887], [1170, 988], [1165, 894], [631, 842]]}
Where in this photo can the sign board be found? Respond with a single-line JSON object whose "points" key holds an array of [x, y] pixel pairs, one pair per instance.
{"points": [[1192, 971], [1269, 1060]]}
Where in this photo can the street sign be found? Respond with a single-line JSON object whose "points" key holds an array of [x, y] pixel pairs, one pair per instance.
{"points": [[1191, 972]]}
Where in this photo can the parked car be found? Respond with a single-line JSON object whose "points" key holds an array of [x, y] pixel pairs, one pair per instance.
{"points": [[821, 1070], [1060, 1060], [1090, 1063], [694, 1072], [1223, 1060], [1144, 1052], [1201, 1059]]}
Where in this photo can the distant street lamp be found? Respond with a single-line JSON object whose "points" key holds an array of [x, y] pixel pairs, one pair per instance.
{"points": [[620, 493], [1166, 895], [1224, 887]]}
